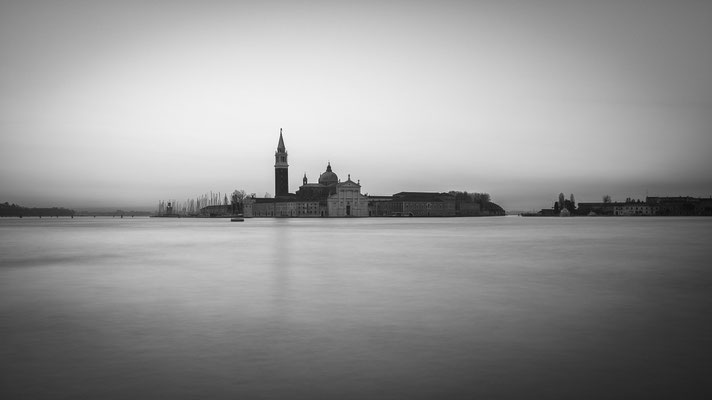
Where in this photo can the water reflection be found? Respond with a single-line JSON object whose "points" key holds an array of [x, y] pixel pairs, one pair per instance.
{"points": [[453, 308], [281, 268]]}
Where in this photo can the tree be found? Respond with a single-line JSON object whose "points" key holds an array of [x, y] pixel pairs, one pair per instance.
{"points": [[607, 199], [237, 198], [481, 198], [556, 207], [459, 196], [569, 206]]}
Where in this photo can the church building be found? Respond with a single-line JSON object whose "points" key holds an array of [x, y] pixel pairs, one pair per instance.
{"points": [[328, 197]]}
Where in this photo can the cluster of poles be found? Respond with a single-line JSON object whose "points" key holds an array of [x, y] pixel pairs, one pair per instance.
{"points": [[192, 206]]}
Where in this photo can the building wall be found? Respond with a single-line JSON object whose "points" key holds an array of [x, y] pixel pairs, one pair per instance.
{"points": [[423, 204], [281, 182], [275, 208], [261, 209], [420, 204], [634, 209], [425, 208], [380, 206], [348, 201], [681, 206], [247, 207]]}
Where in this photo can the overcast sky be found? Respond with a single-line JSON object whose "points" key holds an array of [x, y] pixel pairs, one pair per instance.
{"points": [[125, 103]]}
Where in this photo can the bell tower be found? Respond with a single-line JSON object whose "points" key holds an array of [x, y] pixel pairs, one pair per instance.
{"points": [[281, 169]]}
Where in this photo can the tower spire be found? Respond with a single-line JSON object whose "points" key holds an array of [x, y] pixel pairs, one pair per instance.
{"points": [[280, 146], [281, 169]]}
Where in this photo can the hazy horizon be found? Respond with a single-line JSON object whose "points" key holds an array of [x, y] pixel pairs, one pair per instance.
{"points": [[123, 104]]}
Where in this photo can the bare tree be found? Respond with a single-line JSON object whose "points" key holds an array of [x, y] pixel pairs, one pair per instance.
{"points": [[237, 198], [607, 198]]}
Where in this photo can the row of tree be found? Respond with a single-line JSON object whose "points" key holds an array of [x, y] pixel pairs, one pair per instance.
{"points": [[607, 199], [193, 206], [14, 210], [565, 204], [474, 197]]}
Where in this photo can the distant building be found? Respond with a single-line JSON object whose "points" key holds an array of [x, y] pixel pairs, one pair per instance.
{"points": [[423, 204], [380, 206], [681, 206], [321, 190], [634, 208], [327, 198], [348, 200], [628, 208], [663, 206]]}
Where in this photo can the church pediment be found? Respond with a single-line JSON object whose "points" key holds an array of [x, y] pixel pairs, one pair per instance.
{"points": [[348, 184]]}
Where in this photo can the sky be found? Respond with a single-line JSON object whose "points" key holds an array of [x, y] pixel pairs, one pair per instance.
{"points": [[125, 103]]}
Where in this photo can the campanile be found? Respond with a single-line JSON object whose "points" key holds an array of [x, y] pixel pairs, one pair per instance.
{"points": [[281, 169]]}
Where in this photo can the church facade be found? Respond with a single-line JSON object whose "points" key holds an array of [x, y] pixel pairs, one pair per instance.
{"points": [[328, 197]]}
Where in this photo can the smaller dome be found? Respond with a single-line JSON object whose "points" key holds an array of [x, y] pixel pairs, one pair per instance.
{"points": [[328, 178]]}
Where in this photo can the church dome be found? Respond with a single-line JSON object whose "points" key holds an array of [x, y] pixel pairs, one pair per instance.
{"points": [[328, 178]]}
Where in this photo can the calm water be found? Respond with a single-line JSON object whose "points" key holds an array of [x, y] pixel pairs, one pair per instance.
{"points": [[366, 309]]}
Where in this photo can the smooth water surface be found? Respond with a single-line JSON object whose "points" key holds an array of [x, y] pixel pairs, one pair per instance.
{"points": [[387, 308]]}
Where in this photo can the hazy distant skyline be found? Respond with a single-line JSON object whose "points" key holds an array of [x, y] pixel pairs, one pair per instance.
{"points": [[126, 103]]}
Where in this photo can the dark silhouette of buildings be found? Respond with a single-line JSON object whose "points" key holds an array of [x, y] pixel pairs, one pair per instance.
{"points": [[652, 206]]}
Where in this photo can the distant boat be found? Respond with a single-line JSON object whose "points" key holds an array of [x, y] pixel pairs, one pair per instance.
{"points": [[237, 218]]}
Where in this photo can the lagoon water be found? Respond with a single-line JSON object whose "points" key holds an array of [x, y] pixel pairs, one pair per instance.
{"points": [[504, 307]]}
